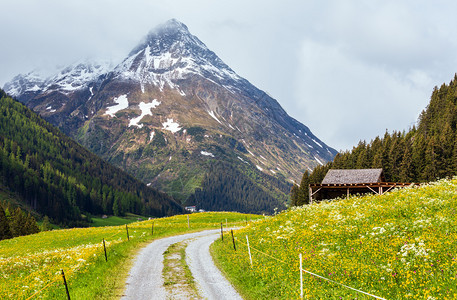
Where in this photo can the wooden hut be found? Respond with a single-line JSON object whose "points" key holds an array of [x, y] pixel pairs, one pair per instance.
{"points": [[340, 183]]}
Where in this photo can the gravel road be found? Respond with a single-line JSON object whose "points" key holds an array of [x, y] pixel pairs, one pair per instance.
{"points": [[145, 278], [210, 281]]}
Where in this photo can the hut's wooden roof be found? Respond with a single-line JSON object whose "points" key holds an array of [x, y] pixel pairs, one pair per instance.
{"points": [[335, 176]]}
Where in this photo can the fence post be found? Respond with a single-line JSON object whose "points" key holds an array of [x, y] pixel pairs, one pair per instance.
{"points": [[188, 224], [127, 229], [233, 240], [301, 276], [222, 233], [104, 247], [152, 229], [65, 283], [226, 225], [249, 250]]}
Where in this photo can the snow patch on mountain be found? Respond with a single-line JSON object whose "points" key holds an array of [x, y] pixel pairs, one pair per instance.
{"points": [[211, 113], [317, 143], [50, 109], [35, 88], [317, 159], [205, 153], [145, 110], [171, 125], [122, 102], [243, 160]]}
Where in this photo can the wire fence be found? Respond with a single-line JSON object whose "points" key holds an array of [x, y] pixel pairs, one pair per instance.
{"points": [[119, 235], [250, 247]]}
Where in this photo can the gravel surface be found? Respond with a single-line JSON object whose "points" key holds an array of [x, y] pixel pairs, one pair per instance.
{"points": [[145, 279], [210, 281]]}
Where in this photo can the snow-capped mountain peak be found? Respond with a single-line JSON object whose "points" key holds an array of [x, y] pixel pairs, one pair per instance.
{"points": [[76, 76], [23, 83], [169, 53]]}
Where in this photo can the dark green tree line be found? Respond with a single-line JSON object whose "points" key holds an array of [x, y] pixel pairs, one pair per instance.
{"points": [[14, 222]]}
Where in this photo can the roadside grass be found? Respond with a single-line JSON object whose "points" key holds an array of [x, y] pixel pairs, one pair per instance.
{"points": [[30, 265], [401, 245]]}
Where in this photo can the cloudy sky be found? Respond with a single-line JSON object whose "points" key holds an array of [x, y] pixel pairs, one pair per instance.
{"points": [[348, 70]]}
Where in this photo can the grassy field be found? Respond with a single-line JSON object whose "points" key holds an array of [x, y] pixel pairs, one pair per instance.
{"points": [[30, 266], [402, 245]]}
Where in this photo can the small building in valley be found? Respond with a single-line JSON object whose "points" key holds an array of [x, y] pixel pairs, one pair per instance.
{"points": [[191, 208], [340, 183]]}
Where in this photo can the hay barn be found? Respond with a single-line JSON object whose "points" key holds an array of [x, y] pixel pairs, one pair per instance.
{"points": [[341, 183]]}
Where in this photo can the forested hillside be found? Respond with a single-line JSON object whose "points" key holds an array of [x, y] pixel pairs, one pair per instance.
{"points": [[424, 153], [57, 177], [226, 188]]}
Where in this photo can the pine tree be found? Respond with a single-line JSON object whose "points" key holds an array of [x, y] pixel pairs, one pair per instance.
{"points": [[295, 195], [18, 222], [31, 225], [5, 232], [46, 225]]}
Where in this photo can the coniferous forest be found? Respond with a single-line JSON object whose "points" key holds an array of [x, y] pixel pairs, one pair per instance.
{"points": [[426, 152], [55, 176], [225, 188]]}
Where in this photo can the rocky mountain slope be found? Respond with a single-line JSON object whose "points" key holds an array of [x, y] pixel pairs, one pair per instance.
{"points": [[171, 110]]}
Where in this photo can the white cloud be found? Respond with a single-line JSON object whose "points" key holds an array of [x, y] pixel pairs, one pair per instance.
{"points": [[374, 56], [347, 100]]}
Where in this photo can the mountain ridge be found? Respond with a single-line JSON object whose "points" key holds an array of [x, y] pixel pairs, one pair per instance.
{"points": [[170, 101]]}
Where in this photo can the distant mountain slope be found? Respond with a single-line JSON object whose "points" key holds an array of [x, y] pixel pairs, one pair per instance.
{"points": [[170, 111], [422, 154], [57, 177]]}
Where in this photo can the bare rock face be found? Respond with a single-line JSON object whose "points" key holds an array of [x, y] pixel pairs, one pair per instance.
{"points": [[170, 111]]}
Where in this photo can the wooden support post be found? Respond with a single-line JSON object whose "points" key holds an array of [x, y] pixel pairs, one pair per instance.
{"points": [[249, 250], [104, 247], [127, 229], [347, 192], [310, 194], [222, 233], [66, 286], [188, 223], [233, 240], [152, 229], [301, 276]]}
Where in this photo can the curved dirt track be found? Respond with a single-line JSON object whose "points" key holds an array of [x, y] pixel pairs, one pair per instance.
{"points": [[145, 279], [210, 281]]}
